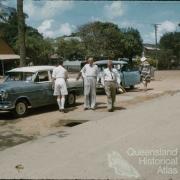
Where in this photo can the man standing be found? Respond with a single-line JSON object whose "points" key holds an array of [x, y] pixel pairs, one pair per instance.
{"points": [[89, 73], [110, 80], [59, 77]]}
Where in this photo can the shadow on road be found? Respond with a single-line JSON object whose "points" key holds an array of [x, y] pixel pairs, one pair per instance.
{"points": [[36, 111], [139, 90]]}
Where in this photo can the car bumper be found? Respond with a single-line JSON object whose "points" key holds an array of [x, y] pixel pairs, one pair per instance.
{"points": [[5, 105]]}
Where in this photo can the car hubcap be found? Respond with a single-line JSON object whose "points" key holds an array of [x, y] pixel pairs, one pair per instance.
{"points": [[71, 99], [20, 108]]}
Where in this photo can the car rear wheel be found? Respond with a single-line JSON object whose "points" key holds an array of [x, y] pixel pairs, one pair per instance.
{"points": [[21, 108], [132, 87], [71, 99]]}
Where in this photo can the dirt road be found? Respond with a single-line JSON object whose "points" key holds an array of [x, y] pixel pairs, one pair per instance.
{"points": [[45, 121], [137, 141]]}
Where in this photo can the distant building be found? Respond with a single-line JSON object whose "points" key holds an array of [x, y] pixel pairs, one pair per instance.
{"points": [[149, 48], [73, 66], [8, 58]]}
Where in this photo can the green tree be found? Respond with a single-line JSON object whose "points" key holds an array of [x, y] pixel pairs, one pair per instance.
{"points": [[70, 49], [101, 39], [38, 49], [170, 42], [132, 43]]}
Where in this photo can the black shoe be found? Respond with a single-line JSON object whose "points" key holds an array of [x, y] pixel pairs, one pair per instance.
{"points": [[110, 110], [63, 110], [86, 109]]}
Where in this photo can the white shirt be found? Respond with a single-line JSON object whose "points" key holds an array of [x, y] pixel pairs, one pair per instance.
{"points": [[59, 72], [112, 75], [91, 71]]}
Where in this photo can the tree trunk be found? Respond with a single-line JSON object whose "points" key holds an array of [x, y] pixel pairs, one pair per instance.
{"points": [[21, 32]]}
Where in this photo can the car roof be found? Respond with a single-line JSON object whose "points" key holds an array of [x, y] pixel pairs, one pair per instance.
{"points": [[32, 69], [101, 62]]}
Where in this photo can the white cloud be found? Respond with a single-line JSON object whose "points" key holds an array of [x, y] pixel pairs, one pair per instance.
{"points": [[114, 10], [46, 10], [47, 29], [166, 26], [93, 18], [163, 27], [149, 37], [66, 29]]}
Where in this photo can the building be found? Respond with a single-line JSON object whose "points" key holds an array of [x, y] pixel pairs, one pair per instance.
{"points": [[8, 59]]}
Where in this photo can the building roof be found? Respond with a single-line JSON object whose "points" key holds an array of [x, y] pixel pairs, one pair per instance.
{"points": [[4, 57], [32, 69], [5, 48]]}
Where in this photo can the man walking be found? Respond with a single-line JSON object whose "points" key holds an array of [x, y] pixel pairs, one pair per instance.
{"points": [[145, 70], [59, 77], [89, 73], [110, 80]]}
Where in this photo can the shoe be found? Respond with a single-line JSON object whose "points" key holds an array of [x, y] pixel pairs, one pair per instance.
{"points": [[63, 110], [110, 110], [93, 108], [86, 109]]}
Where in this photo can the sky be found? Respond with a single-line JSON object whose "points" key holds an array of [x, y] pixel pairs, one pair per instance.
{"points": [[54, 18]]}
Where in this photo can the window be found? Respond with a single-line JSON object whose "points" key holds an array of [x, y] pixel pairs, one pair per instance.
{"points": [[42, 76], [20, 76]]}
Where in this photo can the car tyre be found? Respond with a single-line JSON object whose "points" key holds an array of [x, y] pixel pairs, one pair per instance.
{"points": [[131, 87], [71, 99], [20, 109]]}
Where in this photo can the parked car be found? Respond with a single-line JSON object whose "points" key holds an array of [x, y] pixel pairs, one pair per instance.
{"points": [[30, 87], [129, 77]]}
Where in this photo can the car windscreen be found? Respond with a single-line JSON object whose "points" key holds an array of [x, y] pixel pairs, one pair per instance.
{"points": [[20, 76]]}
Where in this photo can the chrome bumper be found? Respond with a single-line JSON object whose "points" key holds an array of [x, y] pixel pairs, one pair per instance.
{"points": [[5, 105]]}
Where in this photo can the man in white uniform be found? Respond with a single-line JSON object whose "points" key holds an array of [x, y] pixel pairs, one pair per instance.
{"points": [[110, 80], [89, 73], [60, 76]]}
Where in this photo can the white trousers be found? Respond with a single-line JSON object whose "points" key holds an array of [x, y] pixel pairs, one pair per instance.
{"points": [[90, 92]]}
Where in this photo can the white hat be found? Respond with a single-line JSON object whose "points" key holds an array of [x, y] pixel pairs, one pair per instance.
{"points": [[143, 58]]}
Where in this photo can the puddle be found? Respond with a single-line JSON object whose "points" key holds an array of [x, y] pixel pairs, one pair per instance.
{"points": [[9, 139], [69, 123]]}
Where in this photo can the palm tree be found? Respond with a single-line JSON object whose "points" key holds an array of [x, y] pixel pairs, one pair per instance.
{"points": [[21, 32]]}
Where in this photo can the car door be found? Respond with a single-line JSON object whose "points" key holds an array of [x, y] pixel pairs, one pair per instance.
{"points": [[131, 77], [44, 84]]}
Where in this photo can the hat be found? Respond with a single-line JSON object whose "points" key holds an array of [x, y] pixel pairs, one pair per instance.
{"points": [[143, 58]]}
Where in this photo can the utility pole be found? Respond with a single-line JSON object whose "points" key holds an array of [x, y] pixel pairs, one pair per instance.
{"points": [[155, 29]]}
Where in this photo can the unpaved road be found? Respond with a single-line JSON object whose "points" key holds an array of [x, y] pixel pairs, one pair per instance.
{"points": [[107, 146], [46, 121]]}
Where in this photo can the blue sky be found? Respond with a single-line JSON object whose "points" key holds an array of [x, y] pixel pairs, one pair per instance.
{"points": [[57, 18]]}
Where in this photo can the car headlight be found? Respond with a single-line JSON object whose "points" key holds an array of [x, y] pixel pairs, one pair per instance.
{"points": [[4, 94]]}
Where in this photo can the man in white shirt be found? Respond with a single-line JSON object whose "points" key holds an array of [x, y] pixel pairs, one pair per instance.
{"points": [[59, 77], [89, 73], [110, 80]]}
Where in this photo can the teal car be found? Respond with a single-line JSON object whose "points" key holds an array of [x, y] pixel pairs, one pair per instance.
{"points": [[129, 77], [31, 87]]}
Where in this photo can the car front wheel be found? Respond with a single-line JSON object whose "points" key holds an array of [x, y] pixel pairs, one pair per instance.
{"points": [[21, 108]]}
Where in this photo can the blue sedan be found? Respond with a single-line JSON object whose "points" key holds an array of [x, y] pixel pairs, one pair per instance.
{"points": [[129, 77]]}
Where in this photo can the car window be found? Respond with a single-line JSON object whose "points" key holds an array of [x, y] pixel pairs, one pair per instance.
{"points": [[42, 76], [20, 76]]}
